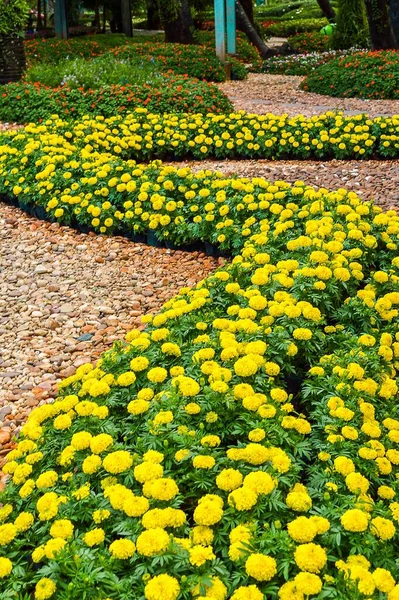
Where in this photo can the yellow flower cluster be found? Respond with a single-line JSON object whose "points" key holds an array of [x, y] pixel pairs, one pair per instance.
{"points": [[243, 444]]}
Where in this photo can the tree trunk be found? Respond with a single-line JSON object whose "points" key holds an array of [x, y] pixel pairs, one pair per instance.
{"points": [[39, 22], [327, 9], [249, 10], [381, 34], [153, 15], [97, 16], [245, 25], [177, 21]]}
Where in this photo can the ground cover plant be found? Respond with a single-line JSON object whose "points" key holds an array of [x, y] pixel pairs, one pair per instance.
{"points": [[291, 27], [242, 446], [54, 50], [364, 75], [313, 41], [301, 64], [23, 103]]}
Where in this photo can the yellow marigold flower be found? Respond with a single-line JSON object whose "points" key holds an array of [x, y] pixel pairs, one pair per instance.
{"points": [[259, 481], [8, 531], [198, 555], [81, 440], [138, 407], [139, 363], [24, 521], [302, 530], [118, 462], [308, 583], [302, 333], [243, 498], [310, 557], [203, 462], [94, 537], [62, 528], [5, 567], [229, 480], [355, 520], [147, 471], [383, 580], [122, 549], [383, 528], [157, 374], [126, 379], [261, 567], [163, 489], [44, 588], [202, 535], [162, 587], [152, 542], [247, 592]]}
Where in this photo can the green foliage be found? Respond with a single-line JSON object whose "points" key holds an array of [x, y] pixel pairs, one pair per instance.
{"points": [[288, 28], [363, 75], [102, 70], [245, 51], [13, 15], [24, 103], [310, 42], [300, 64], [194, 60], [352, 26]]}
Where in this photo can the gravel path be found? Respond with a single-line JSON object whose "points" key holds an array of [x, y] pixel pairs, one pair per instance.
{"points": [[371, 179], [65, 297], [279, 94]]}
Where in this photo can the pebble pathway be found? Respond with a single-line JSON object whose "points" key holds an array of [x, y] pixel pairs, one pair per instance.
{"points": [[65, 297]]}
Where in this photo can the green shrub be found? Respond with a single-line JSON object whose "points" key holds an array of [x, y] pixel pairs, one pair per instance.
{"points": [[352, 26], [24, 103], [362, 75], [54, 50], [102, 70], [310, 42], [288, 28], [192, 60], [300, 64], [245, 51], [13, 15]]}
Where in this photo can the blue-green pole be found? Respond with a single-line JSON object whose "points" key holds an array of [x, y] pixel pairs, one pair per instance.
{"points": [[220, 29], [231, 26], [60, 19]]}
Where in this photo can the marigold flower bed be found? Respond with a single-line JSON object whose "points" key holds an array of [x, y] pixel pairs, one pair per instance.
{"points": [[144, 135], [242, 446]]}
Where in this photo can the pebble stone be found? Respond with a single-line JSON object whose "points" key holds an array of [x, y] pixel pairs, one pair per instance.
{"points": [[61, 310]]}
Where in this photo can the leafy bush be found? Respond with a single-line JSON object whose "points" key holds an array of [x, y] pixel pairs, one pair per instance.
{"points": [[101, 71], [245, 51], [352, 26], [301, 64], [363, 75], [13, 16], [288, 28], [310, 42], [242, 446], [192, 60], [55, 50], [24, 103]]}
